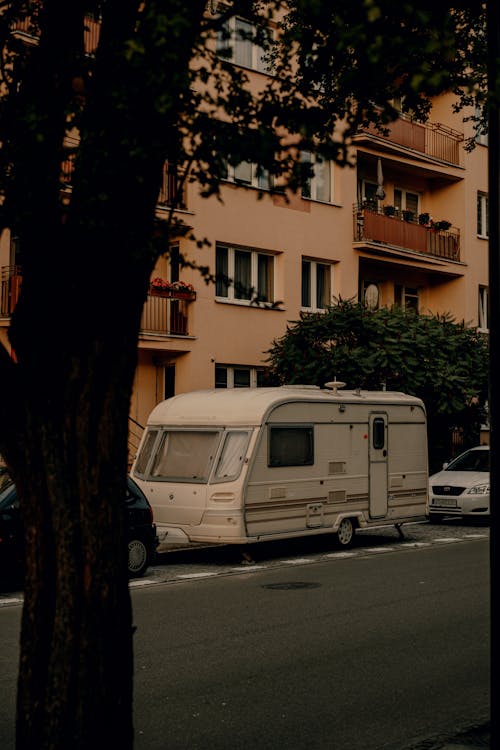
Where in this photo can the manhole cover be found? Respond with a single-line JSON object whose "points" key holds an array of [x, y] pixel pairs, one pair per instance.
{"points": [[291, 585]]}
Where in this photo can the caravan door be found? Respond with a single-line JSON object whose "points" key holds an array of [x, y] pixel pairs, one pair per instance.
{"points": [[378, 481]]}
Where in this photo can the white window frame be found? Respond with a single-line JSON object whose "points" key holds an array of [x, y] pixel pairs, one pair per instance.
{"points": [[257, 176], [231, 289], [479, 135], [482, 214], [236, 45], [230, 370], [483, 310], [408, 293], [404, 207], [314, 183], [313, 287]]}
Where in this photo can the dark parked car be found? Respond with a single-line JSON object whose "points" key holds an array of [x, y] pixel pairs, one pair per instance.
{"points": [[142, 539]]}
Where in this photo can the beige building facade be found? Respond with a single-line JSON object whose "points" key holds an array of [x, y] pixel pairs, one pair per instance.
{"points": [[424, 245], [407, 225]]}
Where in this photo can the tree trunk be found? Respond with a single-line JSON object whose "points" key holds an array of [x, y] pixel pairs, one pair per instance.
{"points": [[76, 664]]}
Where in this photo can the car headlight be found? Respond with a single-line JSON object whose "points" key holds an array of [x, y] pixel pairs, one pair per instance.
{"points": [[479, 489]]}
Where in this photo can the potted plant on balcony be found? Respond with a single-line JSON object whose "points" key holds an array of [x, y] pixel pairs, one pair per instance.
{"points": [[173, 289], [389, 210], [407, 214], [442, 225], [424, 219]]}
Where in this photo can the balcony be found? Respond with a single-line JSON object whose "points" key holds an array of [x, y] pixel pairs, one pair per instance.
{"points": [[10, 286], [373, 226], [166, 313], [433, 140]]}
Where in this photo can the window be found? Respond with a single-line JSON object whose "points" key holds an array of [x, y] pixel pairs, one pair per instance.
{"points": [[482, 215], [369, 195], [185, 455], [406, 297], [243, 274], [481, 134], [378, 433], [319, 187], [237, 42], [291, 446], [316, 285], [483, 317], [145, 453], [250, 174], [234, 376], [232, 455], [406, 201]]}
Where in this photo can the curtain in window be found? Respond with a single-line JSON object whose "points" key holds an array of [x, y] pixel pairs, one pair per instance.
{"points": [[232, 456], [306, 283], [265, 277], [322, 180], [185, 455], [221, 270], [242, 274], [291, 446], [243, 43], [243, 172], [323, 295]]}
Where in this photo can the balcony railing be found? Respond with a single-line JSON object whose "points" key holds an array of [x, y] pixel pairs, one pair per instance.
{"points": [[91, 32], [164, 313], [10, 286], [167, 313], [432, 139], [371, 225]]}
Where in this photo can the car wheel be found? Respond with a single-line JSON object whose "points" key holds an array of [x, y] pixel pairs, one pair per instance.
{"points": [[435, 518], [345, 533], [137, 558]]}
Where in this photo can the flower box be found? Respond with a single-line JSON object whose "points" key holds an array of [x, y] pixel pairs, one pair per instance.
{"points": [[171, 289]]}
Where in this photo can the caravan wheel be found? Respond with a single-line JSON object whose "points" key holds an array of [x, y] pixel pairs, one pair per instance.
{"points": [[345, 532]]}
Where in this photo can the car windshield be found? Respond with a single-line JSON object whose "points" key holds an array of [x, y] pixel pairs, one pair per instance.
{"points": [[471, 461]]}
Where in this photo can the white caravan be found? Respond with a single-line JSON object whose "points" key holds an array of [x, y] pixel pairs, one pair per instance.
{"points": [[235, 466]]}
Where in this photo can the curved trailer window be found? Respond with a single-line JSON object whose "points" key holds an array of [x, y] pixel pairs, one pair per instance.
{"points": [[185, 455]]}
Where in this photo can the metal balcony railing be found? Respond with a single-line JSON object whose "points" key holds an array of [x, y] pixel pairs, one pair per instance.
{"points": [[10, 287], [167, 314], [26, 28], [372, 225], [432, 139]]}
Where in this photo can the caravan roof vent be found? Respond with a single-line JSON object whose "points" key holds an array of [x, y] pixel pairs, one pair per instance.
{"points": [[334, 385]]}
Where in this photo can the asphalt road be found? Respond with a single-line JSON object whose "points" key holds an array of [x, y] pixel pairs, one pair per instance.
{"points": [[378, 648]]}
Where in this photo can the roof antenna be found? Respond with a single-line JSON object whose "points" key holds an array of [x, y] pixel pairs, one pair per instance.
{"points": [[334, 385]]}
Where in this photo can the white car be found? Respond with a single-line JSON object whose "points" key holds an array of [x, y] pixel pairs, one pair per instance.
{"points": [[462, 488]]}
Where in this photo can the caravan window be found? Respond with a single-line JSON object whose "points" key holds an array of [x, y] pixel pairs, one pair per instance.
{"points": [[185, 455], [378, 433], [232, 455], [291, 446], [145, 453]]}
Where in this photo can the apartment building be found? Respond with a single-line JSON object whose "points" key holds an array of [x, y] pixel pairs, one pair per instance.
{"points": [[408, 225]]}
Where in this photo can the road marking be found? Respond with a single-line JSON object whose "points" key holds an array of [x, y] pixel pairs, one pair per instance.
{"points": [[197, 575], [340, 554], [141, 582], [11, 600], [380, 549], [448, 539]]}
